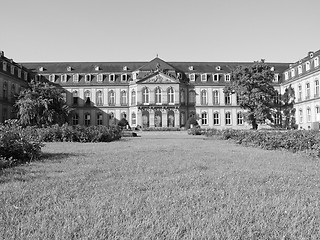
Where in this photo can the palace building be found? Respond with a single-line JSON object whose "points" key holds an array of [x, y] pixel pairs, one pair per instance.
{"points": [[165, 94]]}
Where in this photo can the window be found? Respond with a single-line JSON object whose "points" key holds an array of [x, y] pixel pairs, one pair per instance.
{"points": [[158, 95], [276, 118], [123, 115], [13, 92], [316, 62], [75, 119], [182, 97], [12, 70], [69, 68], [64, 78], [145, 96], [204, 77], [204, 97], [192, 97], [307, 66], [4, 66], [87, 119], [112, 77], [286, 76], [133, 119], [123, 98], [276, 98], [227, 77], [192, 77], [100, 77], [99, 98], [316, 90], [87, 97], [299, 93], [300, 115], [97, 68], [170, 95], [228, 118], [99, 119], [204, 118], [227, 99], [133, 97], [19, 73], [216, 77], [52, 78], [87, 78], [112, 98], [25, 76], [276, 77], [299, 69], [75, 78], [239, 118], [124, 77], [75, 97], [317, 109], [215, 97], [307, 90], [293, 73], [308, 114], [5, 90], [216, 118]]}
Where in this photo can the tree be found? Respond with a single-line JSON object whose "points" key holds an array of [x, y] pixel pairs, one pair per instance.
{"points": [[287, 108], [253, 86], [41, 104]]}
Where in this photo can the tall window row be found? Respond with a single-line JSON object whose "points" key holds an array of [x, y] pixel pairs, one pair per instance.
{"points": [[217, 121], [158, 95], [309, 88]]}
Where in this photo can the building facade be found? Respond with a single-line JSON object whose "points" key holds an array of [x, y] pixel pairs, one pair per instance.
{"points": [[165, 94]]}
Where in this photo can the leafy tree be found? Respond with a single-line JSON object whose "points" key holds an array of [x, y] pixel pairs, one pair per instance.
{"points": [[41, 104], [254, 90], [288, 119]]}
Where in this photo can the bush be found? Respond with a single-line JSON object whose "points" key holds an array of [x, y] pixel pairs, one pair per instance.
{"points": [[191, 121], [161, 129], [18, 145]]}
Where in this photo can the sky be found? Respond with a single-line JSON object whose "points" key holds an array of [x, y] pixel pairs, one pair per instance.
{"points": [[175, 30]]}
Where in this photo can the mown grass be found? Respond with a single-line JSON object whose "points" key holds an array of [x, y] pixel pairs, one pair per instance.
{"points": [[160, 187]]}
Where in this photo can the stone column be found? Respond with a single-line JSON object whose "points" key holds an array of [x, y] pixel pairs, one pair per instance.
{"points": [[139, 117], [164, 118], [151, 117], [176, 118]]}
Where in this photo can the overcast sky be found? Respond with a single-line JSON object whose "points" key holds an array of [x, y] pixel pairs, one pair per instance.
{"points": [[176, 30]]}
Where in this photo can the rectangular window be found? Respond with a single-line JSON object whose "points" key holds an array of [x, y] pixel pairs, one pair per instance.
{"points": [[124, 77], [87, 78], [100, 78], [204, 118], [307, 66], [19, 73], [4, 66], [316, 90], [307, 90], [293, 73], [239, 118], [76, 78], [204, 77], [12, 70], [216, 77], [286, 76], [192, 77], [216, 118], [51, 78], [112, 77], [228, 118], [227, 99], [64, 78], [276, 77], [299, 69], [227, 77], [316, 62]]}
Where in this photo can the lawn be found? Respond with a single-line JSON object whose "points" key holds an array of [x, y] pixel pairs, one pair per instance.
{"points": [[161, 186]]}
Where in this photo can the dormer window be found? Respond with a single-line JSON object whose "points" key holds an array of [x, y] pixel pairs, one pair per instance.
{"points": [[97, 68], [311, 54], [12, 70], [299, 69], [69, 69], [52, 78], [216, 77], [286, 76], [307, 66], [204, 77], [4, 66], [64, 78], [100, 77], [179, 75], [87, 78], [112, 77], [25, 76], [75, 77], [134, 76], [41, 69], [227, 77], [191, 68], [316, 62], [124, 77], [272, 69], [192, 77], [276, 77], [293, 73], [218, 68], [19, 73], [125, 68]]}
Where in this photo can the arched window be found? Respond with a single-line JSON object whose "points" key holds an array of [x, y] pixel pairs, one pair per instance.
{"points": [[216, 118], [87, 97], [133, 97], [192, 97], [75, 97], [87, 119], [99, 98], [228, 118], [75, 119], [112, 98], [133, 118], [170, 95], [99, 118], [123, 98], [215, 97], [158, 95], [204, 118], [240, 118], [145, 96], [204, 97], [182, 97]]}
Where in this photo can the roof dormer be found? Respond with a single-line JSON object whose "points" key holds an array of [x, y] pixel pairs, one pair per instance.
{"points": [[125, 68], [218, 68], [97, 68], [69, 68], [191, 68]]}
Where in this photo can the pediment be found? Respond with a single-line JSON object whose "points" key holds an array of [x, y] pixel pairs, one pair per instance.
{"points": [[158, 78]]}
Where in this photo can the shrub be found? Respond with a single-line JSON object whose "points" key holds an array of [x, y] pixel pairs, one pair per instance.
{"points": [[161, 129], [191, 121]]}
